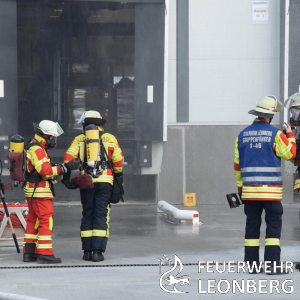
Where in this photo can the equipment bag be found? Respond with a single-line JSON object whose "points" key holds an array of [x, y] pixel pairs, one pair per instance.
{"points": [[84, 182], [118, 190], [16, 168]]}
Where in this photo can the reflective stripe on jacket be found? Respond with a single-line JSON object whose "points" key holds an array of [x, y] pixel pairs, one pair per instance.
{"points": [[283, 147], [113, 150], [37, 158]]}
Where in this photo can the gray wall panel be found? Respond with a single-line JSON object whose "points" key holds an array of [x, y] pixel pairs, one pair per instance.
{"points": [[8, 72], [209, 157], [149, 70], [170, 180], [182, 61], [8, 69]]}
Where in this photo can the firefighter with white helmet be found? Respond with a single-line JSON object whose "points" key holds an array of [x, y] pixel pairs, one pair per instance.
{"points": [[38, 189], [258, 152], [293, 102], [102, 162]]}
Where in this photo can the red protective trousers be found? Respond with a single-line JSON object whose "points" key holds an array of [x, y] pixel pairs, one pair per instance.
{"points": [[38, 234]]}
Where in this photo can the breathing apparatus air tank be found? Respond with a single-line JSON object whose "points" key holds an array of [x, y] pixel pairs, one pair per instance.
{"points": [[16, 159], [16, 143], [92, 145]]}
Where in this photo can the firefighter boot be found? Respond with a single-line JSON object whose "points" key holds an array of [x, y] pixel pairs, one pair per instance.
{"points": [[87, 255], [97, 255], [30, 257], [48, 259]]}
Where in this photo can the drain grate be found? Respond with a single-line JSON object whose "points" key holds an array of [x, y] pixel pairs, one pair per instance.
{"points": [[109, 266]]}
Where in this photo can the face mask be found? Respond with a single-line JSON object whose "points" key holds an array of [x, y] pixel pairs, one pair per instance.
{"points": [[295, 116], [51, 142]]}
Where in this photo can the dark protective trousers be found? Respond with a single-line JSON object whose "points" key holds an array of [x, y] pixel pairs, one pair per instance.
{"points": [[253, 211], [95, 216]]}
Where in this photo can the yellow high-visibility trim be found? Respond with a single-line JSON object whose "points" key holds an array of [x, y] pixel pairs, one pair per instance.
{"points": [[54, 169], [262, 189], [45, 238], [44, 246], [36, 226], [272, 242], [30, 236], [86, 233], [261, 196], [251, 242], [81, 155], [51, 223], [28, 155], [284, 151], [107, 220], [41, 162], [118, 169], [38, 189], [118, 151], [97, 232]]}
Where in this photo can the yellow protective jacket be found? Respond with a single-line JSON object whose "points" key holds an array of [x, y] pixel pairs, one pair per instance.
{"points": [[113, 150], [285, 148], [38, 162]]}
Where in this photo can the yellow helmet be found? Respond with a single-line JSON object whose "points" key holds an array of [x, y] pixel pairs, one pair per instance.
{"points": [[267, 107]]}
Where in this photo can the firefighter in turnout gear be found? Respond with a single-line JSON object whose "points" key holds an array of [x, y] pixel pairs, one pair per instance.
{"points": [[39, 192], [293, 104], [257, 164], [96, 199]]}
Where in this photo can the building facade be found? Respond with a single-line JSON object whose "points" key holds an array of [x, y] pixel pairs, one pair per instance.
{"points": [[175, 79]]}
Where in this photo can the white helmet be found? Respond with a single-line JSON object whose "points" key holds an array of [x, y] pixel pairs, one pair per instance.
{"points": [[293, 103], [267, 107], [48, 127], [91, 117]]}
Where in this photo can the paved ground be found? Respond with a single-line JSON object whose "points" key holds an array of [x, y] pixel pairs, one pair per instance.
{"points": [[139, 237]]}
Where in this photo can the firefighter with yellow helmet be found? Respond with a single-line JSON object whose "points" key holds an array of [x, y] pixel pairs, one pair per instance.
{"points": [[39, 192], [102, 162], [259, 149]]}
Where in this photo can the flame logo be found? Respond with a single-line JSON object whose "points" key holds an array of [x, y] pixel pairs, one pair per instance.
{"points": [[173, 280]]}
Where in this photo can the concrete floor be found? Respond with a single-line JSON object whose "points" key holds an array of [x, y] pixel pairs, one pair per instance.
{"points": [[139, 237]]}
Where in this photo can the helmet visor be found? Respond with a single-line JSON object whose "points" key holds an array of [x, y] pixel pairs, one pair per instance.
{"points": [[81, 119], [57, 130], [295, 115]]}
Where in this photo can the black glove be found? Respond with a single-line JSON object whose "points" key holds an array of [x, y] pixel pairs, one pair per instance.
{"points": [[72, 165], [68, 167], [118, 174], [69, 185]]}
